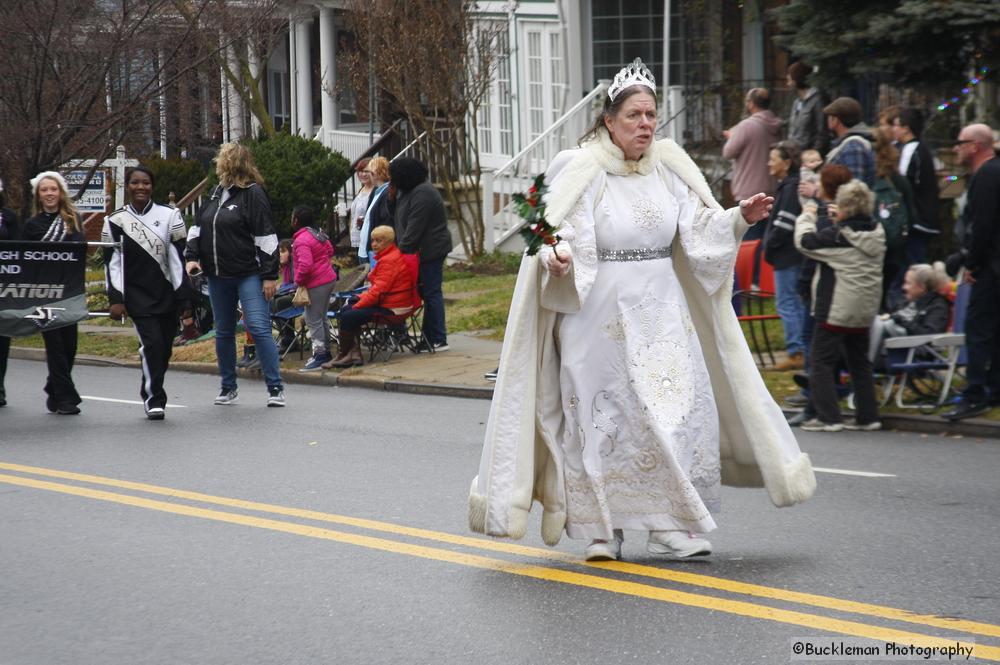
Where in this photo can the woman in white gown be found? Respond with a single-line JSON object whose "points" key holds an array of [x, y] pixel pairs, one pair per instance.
{"points": [[605, 408]]}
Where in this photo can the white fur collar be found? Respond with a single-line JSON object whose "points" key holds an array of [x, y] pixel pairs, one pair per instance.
{"points": [[574, 170], [612, 160]]}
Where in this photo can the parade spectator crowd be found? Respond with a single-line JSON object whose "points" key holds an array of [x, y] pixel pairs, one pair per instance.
{"points": [[848, 239], [231, 262]]}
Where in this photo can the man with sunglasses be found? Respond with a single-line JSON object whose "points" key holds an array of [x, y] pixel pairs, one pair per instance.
{"points": [[981, 256]]}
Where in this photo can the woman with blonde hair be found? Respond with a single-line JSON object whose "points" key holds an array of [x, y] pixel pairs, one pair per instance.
{"points": [[234, 243], [56, 220], [378, 212]]}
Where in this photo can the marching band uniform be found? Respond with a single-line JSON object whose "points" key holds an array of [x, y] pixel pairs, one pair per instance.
{"points": [[60, 343], [146, 274]]}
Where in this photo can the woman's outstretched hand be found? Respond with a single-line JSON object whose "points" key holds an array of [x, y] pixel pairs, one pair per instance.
{"points": [[756, 208]]}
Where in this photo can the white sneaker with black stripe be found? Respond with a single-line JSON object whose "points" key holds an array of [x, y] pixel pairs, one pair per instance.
{"points": [[275, 396], [228, 396]]}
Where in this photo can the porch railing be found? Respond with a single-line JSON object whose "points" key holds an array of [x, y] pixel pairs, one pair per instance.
{"points": [[517, 174], [350, 144]]}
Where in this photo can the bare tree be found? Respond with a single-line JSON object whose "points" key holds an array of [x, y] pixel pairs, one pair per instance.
{"points": [[242, 36], [78, 76], [434, 61]]}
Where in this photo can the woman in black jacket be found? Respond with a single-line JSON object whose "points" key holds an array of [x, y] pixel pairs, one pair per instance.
{"points": [[8, 231], [780, 252], [234, 243], [422, 228], [56, 220]]}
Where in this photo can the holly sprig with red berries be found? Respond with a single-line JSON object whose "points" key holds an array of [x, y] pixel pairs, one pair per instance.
{"points": [[531, 207]]}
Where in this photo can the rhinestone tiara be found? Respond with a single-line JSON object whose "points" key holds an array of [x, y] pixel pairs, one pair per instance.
{"points": [[635, 74]]}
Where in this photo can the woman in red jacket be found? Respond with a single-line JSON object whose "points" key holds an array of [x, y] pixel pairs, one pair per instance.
{"points": [[392, 291]]}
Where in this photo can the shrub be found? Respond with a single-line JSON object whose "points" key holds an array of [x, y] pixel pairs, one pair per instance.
{"points": [[175, 175], [299, 171]]}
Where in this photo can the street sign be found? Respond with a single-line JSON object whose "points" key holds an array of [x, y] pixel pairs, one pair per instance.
{"points": [[95, 195]]}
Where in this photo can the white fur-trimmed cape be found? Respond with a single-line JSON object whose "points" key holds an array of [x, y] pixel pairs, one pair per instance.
{"points": [[522, 458]]}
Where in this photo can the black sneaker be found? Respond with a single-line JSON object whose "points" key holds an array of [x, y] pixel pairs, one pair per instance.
{"points": [[68, 410], [275, 396], [228, 396], [967, 409]]}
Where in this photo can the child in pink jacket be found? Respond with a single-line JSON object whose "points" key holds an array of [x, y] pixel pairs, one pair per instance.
{"points": [[311, 254]]}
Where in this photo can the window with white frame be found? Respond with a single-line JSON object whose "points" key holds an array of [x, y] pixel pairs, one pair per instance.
{"points": [[624, 30]]}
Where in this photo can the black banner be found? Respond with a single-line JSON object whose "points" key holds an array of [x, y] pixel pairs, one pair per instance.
{"points": [[41, 286]]}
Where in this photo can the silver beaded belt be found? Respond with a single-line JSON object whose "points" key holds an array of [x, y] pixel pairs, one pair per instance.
{"points": [[638, 254]]}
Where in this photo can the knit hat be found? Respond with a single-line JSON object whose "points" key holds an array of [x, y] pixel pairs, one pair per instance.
{"points": [[49, 174]]}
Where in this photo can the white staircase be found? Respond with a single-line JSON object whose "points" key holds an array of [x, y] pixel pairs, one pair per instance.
{"points": [[518, 174]]}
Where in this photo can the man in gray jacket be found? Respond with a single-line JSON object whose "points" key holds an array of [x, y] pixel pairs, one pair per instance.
{"points": [[422, 228], [807, 124]]}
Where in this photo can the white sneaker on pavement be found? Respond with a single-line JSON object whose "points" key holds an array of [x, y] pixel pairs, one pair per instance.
{"points": [[680, 544], [605, 550]]}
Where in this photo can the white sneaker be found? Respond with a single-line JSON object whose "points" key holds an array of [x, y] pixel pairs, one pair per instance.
{"points": [[680, 544], [227, 397], [156, 413], [855, 426], [605, 550], [817, 425]]}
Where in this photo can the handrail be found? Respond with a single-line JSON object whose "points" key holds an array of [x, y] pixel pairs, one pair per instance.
{"points": [[189, 198], [601, 88], [378, 144], [410, 145]]}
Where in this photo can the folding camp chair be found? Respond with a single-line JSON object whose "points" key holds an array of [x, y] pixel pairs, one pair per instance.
{"points": [[749, 303], [916, 362], [392, 333], [283, 321]]}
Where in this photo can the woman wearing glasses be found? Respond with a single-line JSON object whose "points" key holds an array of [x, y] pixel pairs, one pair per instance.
{"points": [[360, 203]]}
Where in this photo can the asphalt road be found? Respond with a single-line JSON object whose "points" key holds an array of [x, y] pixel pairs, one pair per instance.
{"points": [[334, 531]]}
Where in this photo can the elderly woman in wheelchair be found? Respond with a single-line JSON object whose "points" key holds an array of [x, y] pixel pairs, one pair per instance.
{"points": [[392, 292]]}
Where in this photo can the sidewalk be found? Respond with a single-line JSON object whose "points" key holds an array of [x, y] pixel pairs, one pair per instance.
{"points": [[459, 371]]}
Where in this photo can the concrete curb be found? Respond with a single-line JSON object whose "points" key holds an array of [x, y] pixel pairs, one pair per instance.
{"points": [[973, 428]]}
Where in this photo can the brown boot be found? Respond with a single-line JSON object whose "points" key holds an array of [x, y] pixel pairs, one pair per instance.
{"points": [[794, 361], [350, 352]]}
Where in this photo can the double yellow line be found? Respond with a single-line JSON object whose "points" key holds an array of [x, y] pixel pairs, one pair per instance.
{"points": [[551, 574]]}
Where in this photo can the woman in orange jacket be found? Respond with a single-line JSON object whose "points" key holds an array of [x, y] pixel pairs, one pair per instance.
{"points": [[392, 291]]}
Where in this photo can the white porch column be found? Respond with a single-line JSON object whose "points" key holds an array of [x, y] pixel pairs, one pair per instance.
{"points": [[162, 104], [237, 125], [328, 70], [224, 95], [303, 77], [254, 63], [573, 58], [293, 106]]}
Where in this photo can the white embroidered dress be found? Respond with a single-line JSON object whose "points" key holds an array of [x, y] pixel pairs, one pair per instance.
{"points": [[641, 433]]}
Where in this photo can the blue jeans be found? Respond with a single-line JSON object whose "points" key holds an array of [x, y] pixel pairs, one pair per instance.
{"points": [[790, 308], [248, 291], [429, 285]]}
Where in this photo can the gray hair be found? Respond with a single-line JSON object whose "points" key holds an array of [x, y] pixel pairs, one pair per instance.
{"points": [[926, 275], [854, 198]]}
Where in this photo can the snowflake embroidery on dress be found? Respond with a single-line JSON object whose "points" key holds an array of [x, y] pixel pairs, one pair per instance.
{"points": [[646, 214]]}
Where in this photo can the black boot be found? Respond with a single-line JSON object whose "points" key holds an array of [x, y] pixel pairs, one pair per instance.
{"points": [[249, 355]]}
